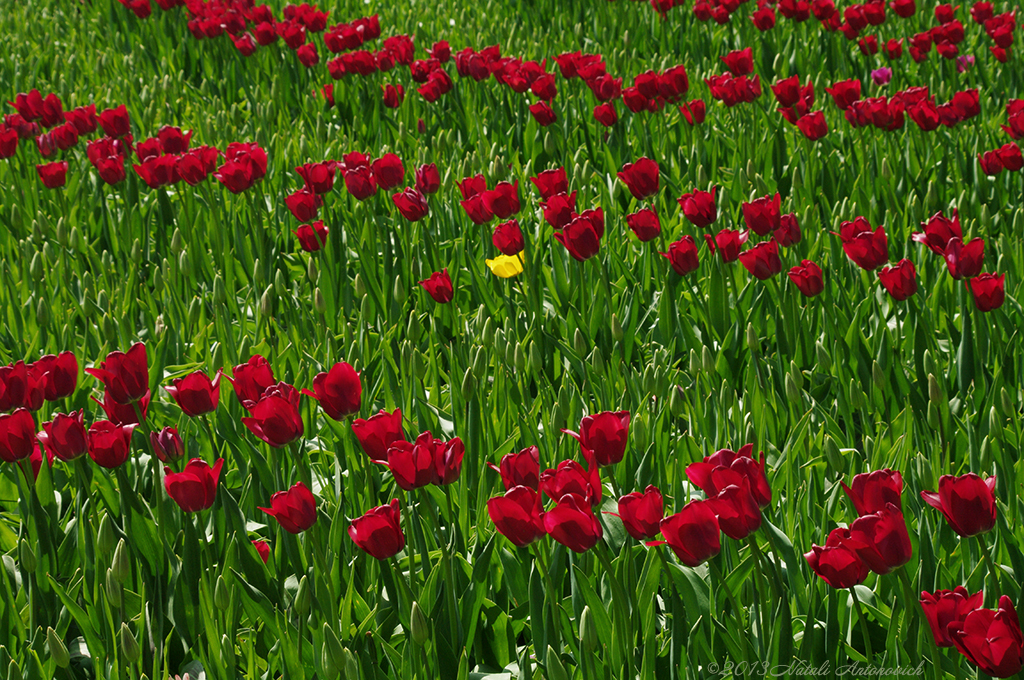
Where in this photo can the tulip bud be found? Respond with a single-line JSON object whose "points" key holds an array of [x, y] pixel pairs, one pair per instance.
{"points": [[468, 384], [929, 363], [114, 589], [312, 273], [222, 593], [995, 423], [579, 343], [798, 181], [553, 665], [27, 556], [694, 362], [648, 380], [499, 344], [319, 303], [159, 326], [399, 292], [886, 170], [878, 377], [550, 147], [702, 177], [536, 360], [303, 598], [36, 268], [76, 239], [121, 564], [359, 286], [934, 390], [419, 365], [137, 252], [158, 278], [220, 295], [707, 360], [327, 662], [280, 284], [413, 329], [792, 391], [58, 652], [418, 627], [856, 396], [834, 456], [933, 415], [193, 311], [588, 631], [43, 313], [869, 447], [675, 402], [259, 278], [510, 353], [332, 646], [129, 645], [824, 358], [986, 452], [176, 241], [519, 358], [267, 302], [798, 376], [105, 537], [1006, 403], [617, 333], [752, 341]]}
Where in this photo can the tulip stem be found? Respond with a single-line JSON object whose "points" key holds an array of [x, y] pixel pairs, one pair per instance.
{"points": [[993, 571], [553, 598], [908, 606], [863, 624], [740, 627], [622, 610]]}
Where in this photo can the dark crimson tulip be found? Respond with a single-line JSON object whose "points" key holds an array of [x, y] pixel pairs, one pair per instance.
{"points": [[543, 113], [294, 509], [115, 121], [944, 13], [448, 460], [246, 44], [360, 183], [388, 171], [692, 533], [148, 149], [8, 141], [303, 204], [33, 396], [641, 513], [109, 444], [1010, 156], [158, 171], [788, 231], [604, 435], [123, 414], [1015, 127], [763, 215], [572, 523], [307, 55], [439, 286], [703, 474], [938, 231], [925, 114], [682, 255], [967, 502], [988, 291], [544, 87], [580, 237], [64, 136], [275, 417], [823, 9], [312, 237], [560, 209], [634, 101], [262, 549], [14, 382], [378, 433], [428, 179], [762, 261], [517, 515], [441, 51], [900, 281], [739, 62], [17, 435], [873, 491], [194, 488], [964, 261], [903, 8], [605, 114], [476, 209], [991, 640], [425, 461], [338, 391], [411, 203], [893, 48], [645, 224], [53, 175], [393, 95], [991, 163], [520, 469], [981, 12], [735, 506], [813, 125], [699, 207], [58, 375], [167, 444], [945, 607], [508, 238], [503, 200], [379, 532], [764, 20], [727, 242], [787, 91], [569, 477], [173, 139], [837, 563], [65, 435], [196, 394], [30, 105], [693, 111], [124, 375], [866, 248], [235, 176], [250, 380], [191, 167], [967, 103], [881, 539], [641, 178], [319, 177], [868, 45]]}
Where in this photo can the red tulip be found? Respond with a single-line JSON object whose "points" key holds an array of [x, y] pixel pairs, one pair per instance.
{"points": [[520, 469], [124, 375], [739, 62], [693, 111], [604, 434], [837, 563], [945, 607], [964, 261], [866, 248], [682, 255], [425, 461], [569, 477], [884, 543], [14, 381], [641, 513], [109, 444], [727, 242], [394, 95], [605, 114], [196, 394], [813, 125], [645, 224], [17, 435], [338, 391], [439, 286], [967, 502], [411, 203], [938, 231], [167, 444], [194, 488], [991, 163], [581, 238], [378, 433], [503, 200], [551, 182], [573, 524], [428, 179], [360, 182], [900, 281], [379, 532], [65, 435], [741, 462], [312, 237], [294, 509], [262, 549], [873, 491], [692, 533], [699, 207], [388, 171], [788, 231], [508, 238], [543, 113], [319, 177], [762, 261], [53, 175], [988, 291], [123, 414], [991, 640], [763, 215], [560, 209], [845, 92], [275, 416], [641, 178], [517, 515], [251, 380], [115, 121], [1010, 156]]}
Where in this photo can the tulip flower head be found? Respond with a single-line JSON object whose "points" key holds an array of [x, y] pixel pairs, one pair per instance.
{"points": [[378, 532], [294, 509], [195, 488]]}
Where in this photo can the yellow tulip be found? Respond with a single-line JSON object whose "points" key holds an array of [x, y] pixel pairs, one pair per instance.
{"points": [[506, 266]]}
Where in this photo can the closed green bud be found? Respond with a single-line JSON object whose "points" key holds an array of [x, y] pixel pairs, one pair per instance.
{"points": [[639, 433], [1006, 402], [588, 631], [222, 593], [129, 645], [792, 391], [27, 556], [267, 302], [109, 329], [617, 331], [519, 358], [934, 390], [332, 644], [36, 268], [933, 415], [834, 457], [280, 284], [185, 264], [702, 178], [550, 148], [58, 652], [510, 353], [468, 384], [327, 662], [554, 666], [176, 242], [579, 343], [76, 239], [886, 170], [597, 360], [986, 452], [121, 564], [824, 358], [488, 333], [159, 326], [707, 360], [419, 629], [105, 537], [368, 310], [319, 303], [675, 402], [43, 313], [158, 279], [798, 376], [303, 598], [995, 423], [878, 376], [114, 590], [419, 365], [194, 308], [259, 278], [929, 363], [856, 396], [312, 272], [536, 360], [753, 344], [695, 364], [220, 295], [869, 447], [399, 292], [499, 344], [414, 328], [351, 665], [648, 380]]}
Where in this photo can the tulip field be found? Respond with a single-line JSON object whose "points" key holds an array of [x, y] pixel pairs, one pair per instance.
{"points": [[511, 340]]}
